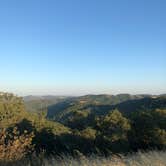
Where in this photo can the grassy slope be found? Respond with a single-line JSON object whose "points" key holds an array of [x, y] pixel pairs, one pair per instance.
{"points": [[152, 158]]}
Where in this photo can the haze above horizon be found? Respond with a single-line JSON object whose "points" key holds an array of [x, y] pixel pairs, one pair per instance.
{"points": [[83, 47]]}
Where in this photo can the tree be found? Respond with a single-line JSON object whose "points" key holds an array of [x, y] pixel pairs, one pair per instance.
{"points": [[13, 145], [114, 129], [148, 130]]}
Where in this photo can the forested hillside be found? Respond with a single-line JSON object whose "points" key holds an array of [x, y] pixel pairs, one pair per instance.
{"points": [[66, 110], [22, 132], [38, 103], [101, 125], [41, 103], [54, 111]]}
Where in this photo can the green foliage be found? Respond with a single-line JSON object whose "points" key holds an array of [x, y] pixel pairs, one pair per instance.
{"points": [[77, 120], [84, 126], [60, 110], [14, 116], [89, 133], [126, 104], [114, 126], [114, 129], [148, 130], [12, 109]]}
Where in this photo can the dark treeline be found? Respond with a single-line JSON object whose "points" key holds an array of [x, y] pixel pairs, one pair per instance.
{"points": [[82, 129]]}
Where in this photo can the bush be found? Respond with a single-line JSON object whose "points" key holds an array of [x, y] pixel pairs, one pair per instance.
{"points": [[13, 145]]}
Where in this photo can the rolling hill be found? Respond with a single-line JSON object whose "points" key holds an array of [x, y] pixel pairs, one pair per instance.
{"points": [[100, 105], [41, 103]]}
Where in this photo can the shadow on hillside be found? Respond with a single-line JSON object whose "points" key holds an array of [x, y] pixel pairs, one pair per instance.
{"points": [[129, 106], [57, 108], [73, 144], [69, 144], [25, 125]]}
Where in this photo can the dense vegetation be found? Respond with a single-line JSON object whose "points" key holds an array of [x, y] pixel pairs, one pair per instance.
{"points": [[82, 126], [41, 103]]}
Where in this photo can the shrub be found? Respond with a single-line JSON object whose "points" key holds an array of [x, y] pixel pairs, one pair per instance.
{"points": [[13, 145]]}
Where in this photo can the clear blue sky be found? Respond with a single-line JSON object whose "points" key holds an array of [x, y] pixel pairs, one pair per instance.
{"points": [[74, 47]]}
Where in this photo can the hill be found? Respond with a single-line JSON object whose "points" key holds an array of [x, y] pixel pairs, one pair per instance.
{"points": [[23, 132], [41, 103], [102, 104], [82, 126]]}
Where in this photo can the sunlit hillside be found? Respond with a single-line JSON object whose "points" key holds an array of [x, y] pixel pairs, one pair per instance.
{"points": [[151, 158]]}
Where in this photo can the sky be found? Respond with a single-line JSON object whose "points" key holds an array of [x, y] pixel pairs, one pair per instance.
{"points": [[77, 47]]}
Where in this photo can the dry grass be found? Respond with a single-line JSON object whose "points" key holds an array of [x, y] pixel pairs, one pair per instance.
{"points": [[152, 158]]}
